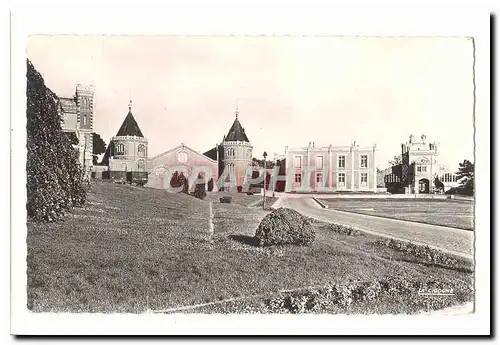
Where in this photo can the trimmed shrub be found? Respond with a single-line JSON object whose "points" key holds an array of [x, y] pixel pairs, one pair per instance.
{"points": [[175, 182], [199, 191], [55, 180], [285, 226], [181, 180]]}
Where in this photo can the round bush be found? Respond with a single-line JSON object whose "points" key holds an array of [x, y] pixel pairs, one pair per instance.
{"points": [[284, 226]]}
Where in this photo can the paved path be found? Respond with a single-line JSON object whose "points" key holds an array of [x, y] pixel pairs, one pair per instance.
{"points": [[455, 241]]}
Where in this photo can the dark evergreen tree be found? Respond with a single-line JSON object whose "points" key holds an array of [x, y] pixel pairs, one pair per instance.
{"points": [[54, 175], [465, 175], [98, 147]]}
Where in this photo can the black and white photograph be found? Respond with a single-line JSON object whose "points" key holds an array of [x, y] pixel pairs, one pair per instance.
{"points": [[249, 175]]}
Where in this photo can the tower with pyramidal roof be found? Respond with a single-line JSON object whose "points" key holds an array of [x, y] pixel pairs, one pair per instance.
{"points": [[128, 150], [236, 151]]}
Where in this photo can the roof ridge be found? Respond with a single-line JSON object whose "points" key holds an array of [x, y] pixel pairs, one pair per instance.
{"points": [[179, 146]]}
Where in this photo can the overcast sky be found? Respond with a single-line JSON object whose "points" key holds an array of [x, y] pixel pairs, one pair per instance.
{"points": [[289, 90]]}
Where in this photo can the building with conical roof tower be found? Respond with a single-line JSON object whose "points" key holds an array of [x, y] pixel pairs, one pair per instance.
{"points": [[127, 152], [236, 152]]}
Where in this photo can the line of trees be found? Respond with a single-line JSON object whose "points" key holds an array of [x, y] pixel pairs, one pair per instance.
{"points": [[55, 180]]}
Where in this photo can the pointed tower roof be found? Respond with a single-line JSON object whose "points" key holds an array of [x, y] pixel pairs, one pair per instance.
{"points": [[129, 126], [236, 132]]}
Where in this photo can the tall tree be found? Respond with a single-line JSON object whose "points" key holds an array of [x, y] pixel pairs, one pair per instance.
{"points": [[465, 176], [54, 175], [99, 146]]}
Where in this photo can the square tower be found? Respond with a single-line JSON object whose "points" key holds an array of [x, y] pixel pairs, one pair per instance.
{"points": [[420, 164]]}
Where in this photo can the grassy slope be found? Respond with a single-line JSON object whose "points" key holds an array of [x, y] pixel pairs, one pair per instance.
{"points": [[132, 249], [238, 198], [458, 214]]}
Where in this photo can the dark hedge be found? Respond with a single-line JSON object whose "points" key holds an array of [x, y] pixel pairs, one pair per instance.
{"points": [[54, 175]]}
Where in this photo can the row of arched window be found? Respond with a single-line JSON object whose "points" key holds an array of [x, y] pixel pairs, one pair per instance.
{"points": [[449, 177], [141, 165], [230, 152], [120, 149]]}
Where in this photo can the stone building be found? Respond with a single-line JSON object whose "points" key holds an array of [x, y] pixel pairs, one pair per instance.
{"points": [[183, 160], [127, 152], [419, 169], [448, 178], [330, 168], [234, 156], [77, 115], [420, 164]]}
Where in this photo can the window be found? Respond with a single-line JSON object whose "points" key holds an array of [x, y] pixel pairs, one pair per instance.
{"points": [[364, 161], [141, 165], [319, 162], [319, 178], [182, 157], [298, 162], [342, 162], [424, 168], [141, 150], [364, 179], [419, 168], [119, 149], [298, 178], [341, 179], [230, 152]]}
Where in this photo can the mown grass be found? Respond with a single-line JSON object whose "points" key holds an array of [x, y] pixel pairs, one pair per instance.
{"points": [[457, 214], [132, 249], [237, 198]]}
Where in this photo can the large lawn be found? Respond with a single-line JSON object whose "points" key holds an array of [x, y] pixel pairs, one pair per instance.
{"points": [[133, 249], [457, 214]]}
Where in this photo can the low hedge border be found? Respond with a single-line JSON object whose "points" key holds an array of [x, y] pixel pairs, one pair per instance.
{"points": [[358, 296], [435, 256], [342, 229]]}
